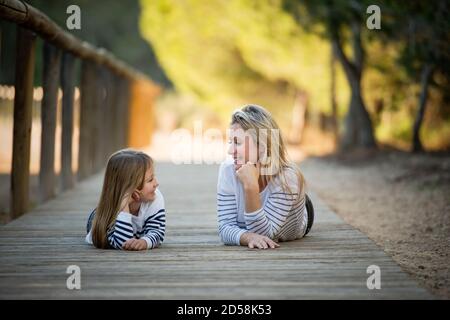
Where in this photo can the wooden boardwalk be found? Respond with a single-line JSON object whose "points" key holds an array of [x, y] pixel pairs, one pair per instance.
{"points": [[330, 263]]}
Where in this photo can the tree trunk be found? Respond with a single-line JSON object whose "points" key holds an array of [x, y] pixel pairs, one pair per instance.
{"points": [[298, 117], [427, 73], [358, 130]]}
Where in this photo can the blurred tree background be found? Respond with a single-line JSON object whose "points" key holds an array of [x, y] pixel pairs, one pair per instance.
{"points": [[313, 63], [313, 58]]}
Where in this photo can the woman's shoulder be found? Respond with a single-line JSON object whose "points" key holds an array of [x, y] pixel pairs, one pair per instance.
{"points": [[291, 173], [289, 176], [226, 168], [227, 176], [227, 165]]}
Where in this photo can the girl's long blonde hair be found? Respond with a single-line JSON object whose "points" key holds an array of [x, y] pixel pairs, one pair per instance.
{"points": [[260, 123], [125, 172]]}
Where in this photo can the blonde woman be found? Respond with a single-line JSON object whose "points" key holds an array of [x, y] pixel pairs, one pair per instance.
{"points": [[261, 196], [130, 214]]}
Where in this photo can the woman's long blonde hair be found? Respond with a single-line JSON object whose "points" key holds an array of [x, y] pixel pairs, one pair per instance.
{"points": [[260, 123], [125, 172]]}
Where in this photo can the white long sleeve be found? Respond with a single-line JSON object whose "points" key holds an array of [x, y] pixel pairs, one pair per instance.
{"points": [[281, 217]]}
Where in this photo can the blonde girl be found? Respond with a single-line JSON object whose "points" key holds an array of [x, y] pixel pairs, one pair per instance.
{"points": [[261, 196], [130, 214]]}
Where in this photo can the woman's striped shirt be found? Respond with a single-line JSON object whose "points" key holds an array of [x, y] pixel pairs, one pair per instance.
{"points": [[281, 217]]}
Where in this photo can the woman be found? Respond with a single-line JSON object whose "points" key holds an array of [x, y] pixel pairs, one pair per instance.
{"points": [[260, 194]]}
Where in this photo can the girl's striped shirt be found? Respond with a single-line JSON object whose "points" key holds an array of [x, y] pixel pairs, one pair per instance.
{"points": [[149, 224], [280, 217]]}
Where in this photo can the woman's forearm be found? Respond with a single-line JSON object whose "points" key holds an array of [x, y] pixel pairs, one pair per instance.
{"points": [[252, 200]]}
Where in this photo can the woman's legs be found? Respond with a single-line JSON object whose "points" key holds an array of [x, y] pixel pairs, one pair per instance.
{"points": [[310, 209], [89, 222]]}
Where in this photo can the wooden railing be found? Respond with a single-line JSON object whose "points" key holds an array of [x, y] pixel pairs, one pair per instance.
{"points": [[106, 89]]}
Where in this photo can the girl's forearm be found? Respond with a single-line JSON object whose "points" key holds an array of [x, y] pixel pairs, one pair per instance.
{"points": [[244, 239]]}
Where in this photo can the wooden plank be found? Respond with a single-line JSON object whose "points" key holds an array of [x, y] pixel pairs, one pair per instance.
{"points": [[25, 55], [50, 81], [68, 89]]}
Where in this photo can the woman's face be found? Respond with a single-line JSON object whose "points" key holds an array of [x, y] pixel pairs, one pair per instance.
{"points": [[242, 146]]}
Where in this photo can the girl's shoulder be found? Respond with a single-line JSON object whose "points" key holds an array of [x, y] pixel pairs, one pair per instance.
{"points": [[155, 205], [158, 196]]}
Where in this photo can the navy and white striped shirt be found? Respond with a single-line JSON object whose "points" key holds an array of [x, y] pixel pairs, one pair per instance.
{"points": [[280, 217], [149, 224]]}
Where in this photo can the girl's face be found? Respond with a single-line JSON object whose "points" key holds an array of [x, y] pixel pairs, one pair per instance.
{"points": [[242, 146], [147, 193]]}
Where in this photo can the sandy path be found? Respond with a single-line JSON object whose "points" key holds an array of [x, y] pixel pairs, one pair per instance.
{"points": [[400, 201]]}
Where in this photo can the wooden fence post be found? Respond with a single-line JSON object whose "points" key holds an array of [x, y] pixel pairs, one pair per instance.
{"points": [[50, 83], [1, 42], [115, 119], [20, 175], [110, 111], [98, 117], [87, 105], [124, 91], [67, 83]]}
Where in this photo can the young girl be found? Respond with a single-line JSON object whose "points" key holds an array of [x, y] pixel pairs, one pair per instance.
{"points": [[260, 194], [130, 214]]}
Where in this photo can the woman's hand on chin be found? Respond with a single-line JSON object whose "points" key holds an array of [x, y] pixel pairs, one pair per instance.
{"points": [[248, 174]]}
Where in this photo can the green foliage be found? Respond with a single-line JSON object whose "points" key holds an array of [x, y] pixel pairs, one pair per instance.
{"points": [[227, 53]]}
